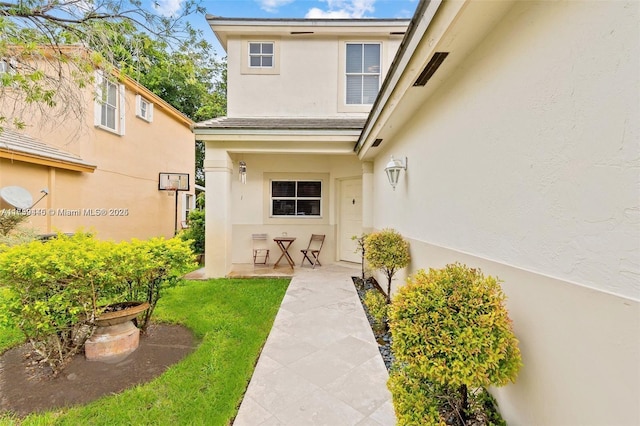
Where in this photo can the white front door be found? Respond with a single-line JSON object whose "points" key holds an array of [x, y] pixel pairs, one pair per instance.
{"points": [[350, 218]]}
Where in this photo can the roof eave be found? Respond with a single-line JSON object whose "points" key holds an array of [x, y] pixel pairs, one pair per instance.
{"points": [[26, 157]]}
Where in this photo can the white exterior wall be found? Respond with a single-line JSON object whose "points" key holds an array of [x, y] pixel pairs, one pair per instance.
{"points": [[526, 164], [307, 82]]}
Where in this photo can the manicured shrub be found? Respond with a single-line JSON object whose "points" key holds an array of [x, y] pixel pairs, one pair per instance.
{"points": [[376, 304], [145, 268], [388, 252], [451, 333], [56, 286], [60, 286]]}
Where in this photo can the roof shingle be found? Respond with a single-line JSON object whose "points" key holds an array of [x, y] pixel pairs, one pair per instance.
{"points": [[268, 123], [13, 141]]}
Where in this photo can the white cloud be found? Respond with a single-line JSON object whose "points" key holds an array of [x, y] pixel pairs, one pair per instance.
{"points": [[272, 5], [342, 9], [168, 7]]}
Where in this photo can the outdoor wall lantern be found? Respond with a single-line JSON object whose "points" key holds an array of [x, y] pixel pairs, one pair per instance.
{"points": [[393, 170], [242, 169]]}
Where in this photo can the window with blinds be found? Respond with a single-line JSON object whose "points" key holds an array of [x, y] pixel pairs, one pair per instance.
{"points": [[362, 73], [296, 198]]}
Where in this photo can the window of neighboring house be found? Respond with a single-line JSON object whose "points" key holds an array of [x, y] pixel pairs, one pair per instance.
{"points": [[261, 54], [362, 73], [109, 105], [188, 204], [144, 109], [296, 198]]}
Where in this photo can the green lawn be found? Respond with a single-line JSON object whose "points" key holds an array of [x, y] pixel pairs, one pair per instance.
{"points": [[231, 317]]}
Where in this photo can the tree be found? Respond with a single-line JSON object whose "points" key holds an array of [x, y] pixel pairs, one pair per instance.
{"points": [[387, 251], [44, 29]]}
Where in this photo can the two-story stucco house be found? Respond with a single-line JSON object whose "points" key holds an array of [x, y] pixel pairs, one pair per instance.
{"points": [[101, 168], [299, 92], [519, 123]]}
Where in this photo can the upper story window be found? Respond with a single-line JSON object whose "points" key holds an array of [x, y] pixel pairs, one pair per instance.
{"points": [[362, 73], [109, 111], [296, 198], [144, 109], [261, 54]]}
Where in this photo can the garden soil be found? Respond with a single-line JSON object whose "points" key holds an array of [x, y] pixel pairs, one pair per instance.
{"points": [[27, 388]]}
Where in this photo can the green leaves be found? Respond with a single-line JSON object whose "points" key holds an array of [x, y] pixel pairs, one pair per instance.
{"points": [[451, 328], [387, 251], [57, 287]]}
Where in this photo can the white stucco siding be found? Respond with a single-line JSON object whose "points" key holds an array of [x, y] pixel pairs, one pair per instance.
{"points": [[529, 154], [307, 83]]}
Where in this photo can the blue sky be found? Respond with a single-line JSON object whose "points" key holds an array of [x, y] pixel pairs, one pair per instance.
{"points": [[291, 9]]}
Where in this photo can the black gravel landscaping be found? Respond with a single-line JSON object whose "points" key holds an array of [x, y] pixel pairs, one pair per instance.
{"points": [[382, 334]]}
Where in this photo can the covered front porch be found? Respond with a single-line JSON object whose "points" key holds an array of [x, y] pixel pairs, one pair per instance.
{"points": [[283, 178]]}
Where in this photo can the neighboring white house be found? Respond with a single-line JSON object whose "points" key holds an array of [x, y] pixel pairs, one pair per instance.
{"points": [[520, 123]]}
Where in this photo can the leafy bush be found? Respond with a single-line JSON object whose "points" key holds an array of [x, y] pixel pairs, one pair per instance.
{"points": [[60, 286], [451, 333], [54, 285], [377, 306], [145, 268], [196, 231], [387, 251]]}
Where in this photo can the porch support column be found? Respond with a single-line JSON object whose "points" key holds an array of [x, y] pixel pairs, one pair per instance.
{"points": [[367, 196], [217, 168]]}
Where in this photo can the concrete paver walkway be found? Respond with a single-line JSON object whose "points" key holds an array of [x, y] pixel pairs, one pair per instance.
{"points": [[320, 364]]}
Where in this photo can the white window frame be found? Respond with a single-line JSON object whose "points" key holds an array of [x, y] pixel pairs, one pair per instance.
{"points": [[144, 109], [363, 72], [188, 204], [296, 198], [119, 122], [262, 55], [245, 60]]}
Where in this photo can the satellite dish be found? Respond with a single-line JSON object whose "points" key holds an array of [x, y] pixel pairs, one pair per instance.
{"points": [[17, 196]]}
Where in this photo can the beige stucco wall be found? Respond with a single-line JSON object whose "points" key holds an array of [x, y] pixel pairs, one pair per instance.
{"points": [[307, 84], [525, 163], [125, 182]]}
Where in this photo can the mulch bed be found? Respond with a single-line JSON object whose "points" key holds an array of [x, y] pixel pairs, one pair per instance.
{"points": [[27, 387]]}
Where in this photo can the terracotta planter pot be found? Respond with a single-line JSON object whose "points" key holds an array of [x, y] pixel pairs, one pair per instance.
{"points": [[130, 311]]}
